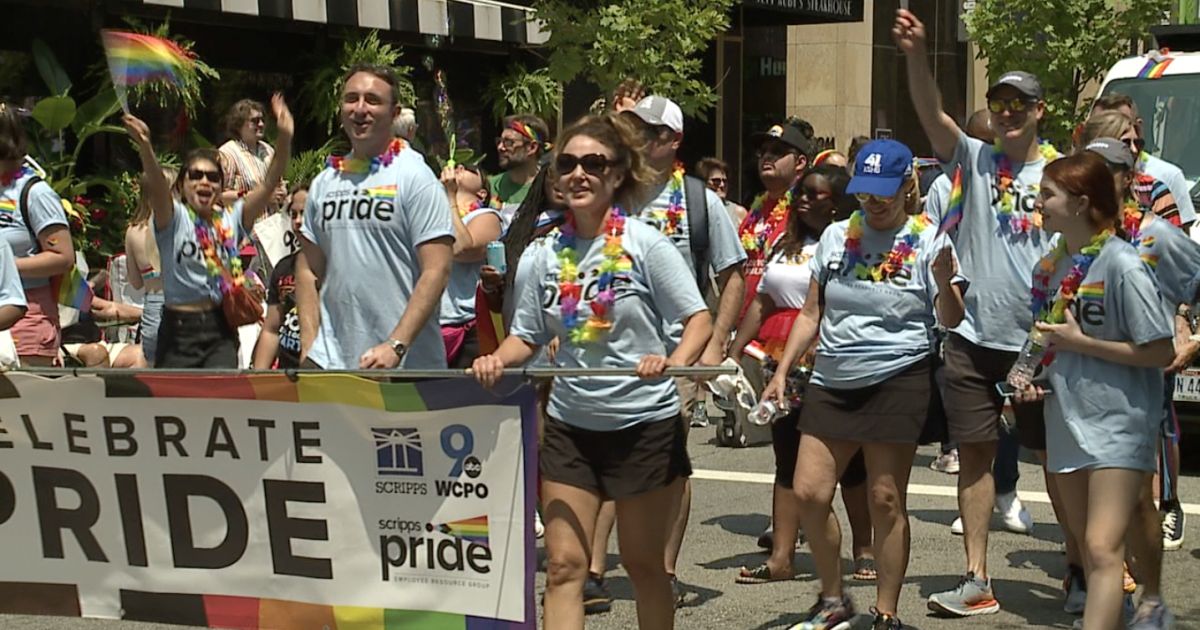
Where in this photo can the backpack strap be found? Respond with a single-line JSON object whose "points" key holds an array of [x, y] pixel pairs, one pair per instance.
{"points": [[695, 198], [24, 204]]}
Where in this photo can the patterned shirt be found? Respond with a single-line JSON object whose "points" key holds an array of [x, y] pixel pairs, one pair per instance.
{"points": [[244, 169]]}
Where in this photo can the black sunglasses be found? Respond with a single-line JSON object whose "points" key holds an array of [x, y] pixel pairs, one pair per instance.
{"points": [[593, 164], [196, 174]]}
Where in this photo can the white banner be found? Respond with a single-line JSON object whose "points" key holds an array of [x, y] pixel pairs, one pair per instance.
{"points": [[317, 500], [277, 238]]}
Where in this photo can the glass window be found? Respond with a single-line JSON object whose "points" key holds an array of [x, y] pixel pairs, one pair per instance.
{"points": [[1170, 110]]}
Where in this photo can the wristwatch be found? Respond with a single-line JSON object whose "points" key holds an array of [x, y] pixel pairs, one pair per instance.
{"points": [[399, 347]]}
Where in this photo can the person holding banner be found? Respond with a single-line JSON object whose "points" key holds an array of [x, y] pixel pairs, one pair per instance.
{"points": [[34, 225], [1108, 337], [603, 284], [201, 270], [378, 239], [279, 340], [144, 266], [880, 282]]}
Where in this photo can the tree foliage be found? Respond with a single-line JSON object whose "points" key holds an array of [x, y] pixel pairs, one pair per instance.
{"points": [[523, 91], [1066, 43], [658, 42], [321, 92]]}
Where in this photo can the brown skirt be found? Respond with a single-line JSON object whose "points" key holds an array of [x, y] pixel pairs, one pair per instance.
{"points": [[904, 409]]}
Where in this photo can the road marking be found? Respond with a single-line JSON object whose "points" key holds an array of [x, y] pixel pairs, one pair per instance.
{"points": [[914, 488]]}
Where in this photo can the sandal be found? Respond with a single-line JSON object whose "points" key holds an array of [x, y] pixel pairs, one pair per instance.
{"points": [[759, 575], [864, 570]]}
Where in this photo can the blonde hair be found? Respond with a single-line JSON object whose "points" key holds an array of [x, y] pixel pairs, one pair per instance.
{"points": [[1111, 123], [622, 136], [143, 211]]}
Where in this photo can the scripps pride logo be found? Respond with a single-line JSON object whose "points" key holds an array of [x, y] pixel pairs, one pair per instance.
{"points": [[461, 546], [359, 206]]}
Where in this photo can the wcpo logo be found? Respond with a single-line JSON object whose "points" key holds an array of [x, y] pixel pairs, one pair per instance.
{"points": [[458, 443], [455, 546]]}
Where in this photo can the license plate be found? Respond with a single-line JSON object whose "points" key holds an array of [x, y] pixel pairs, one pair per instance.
{"points": [[1187, 386]]}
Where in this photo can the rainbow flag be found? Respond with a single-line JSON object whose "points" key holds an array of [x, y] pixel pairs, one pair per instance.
{"points": [[471, 529], [134, 58], [8, 206], [381, 192], [1155, 67], [1093, 291], [954, 209], [73, 290]]}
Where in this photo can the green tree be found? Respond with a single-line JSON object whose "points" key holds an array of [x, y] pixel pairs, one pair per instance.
{"points": [[523, 91], [1066, 43], [658, 42], [321, 92]]}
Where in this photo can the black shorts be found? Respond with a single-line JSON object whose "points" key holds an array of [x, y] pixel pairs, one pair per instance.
{"points": [[973, 405], [615, 464], [785, 438], [189, 339], [902, 409]]}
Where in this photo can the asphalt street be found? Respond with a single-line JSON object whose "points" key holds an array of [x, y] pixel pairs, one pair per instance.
{"points": [[731, 507]]}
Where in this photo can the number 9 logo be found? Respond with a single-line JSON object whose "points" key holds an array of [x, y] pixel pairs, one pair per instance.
{"points": [[460, 451]]}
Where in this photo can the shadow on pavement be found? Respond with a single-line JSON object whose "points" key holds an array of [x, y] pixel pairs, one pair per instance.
{"points": [[1052, 562], [741, 524], [936, 517]]}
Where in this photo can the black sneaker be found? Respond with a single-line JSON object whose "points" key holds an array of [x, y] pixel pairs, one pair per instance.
{"points": [[885, 621], [1172, 526], [596, 598]]}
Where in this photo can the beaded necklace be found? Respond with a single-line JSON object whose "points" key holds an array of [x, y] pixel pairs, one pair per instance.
{"points": [[6, 179], [755, 237], [570, 287], [669, 219], [356, 165], [209, 236], [902, 253], [1009, 220], [1055, 313]]}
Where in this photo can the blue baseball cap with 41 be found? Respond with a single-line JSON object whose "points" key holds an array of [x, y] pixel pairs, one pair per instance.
{"points": [[881, 168]]}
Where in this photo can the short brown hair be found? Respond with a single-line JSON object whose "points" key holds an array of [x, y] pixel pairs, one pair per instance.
{"points": [[241, 112], [12, 134], [1115, 100], [384, 73], [709, 164], [193, 156], [618, 133]]}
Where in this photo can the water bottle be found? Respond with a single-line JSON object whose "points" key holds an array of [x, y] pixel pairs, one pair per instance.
{"points": [[1028, 360], [496, 256], [767, 412]]}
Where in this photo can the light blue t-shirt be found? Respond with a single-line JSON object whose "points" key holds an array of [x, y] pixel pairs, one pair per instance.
{"points": [[1104, 414], [369, 225], [996, 259], [45, 210], [458, 302], [652, 292], [184, 270], [938, 199], [1173, 258], [1175, 180], [11, 291], [869, 330]]}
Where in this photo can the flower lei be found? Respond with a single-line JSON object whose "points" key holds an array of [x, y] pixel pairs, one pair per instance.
{"points": [[1009, 220], [1055, 313], [208, 245], [1131, 221], [571, 289], [472, 207], [345, 164], [6, 179], [755, 238], [669, 219], [902, 253]]}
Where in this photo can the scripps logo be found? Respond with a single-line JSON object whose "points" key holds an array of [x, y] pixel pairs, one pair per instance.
{"points": [[458, 443], [398, 451], [454, 546]]}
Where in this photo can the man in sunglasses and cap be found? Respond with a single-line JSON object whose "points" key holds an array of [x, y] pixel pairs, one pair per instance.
{"points": [[999, 240]]}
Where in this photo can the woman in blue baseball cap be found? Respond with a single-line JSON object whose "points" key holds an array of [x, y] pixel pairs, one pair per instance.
{"points": [[880, 284]]}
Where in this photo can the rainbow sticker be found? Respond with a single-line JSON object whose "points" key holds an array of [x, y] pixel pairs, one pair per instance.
{"points": [[381, 192], [1155, 68], [471, 530], [8, 206], [1092, 291]]}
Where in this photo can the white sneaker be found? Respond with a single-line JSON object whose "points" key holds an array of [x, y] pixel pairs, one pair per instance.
{"points": [[539, 529], [1016, 517], [956, 527]]}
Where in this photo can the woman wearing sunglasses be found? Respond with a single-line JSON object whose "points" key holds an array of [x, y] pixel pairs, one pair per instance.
{"points": [[821, 199], [1100, 309], [880, 281], [476, 223], [197, 239], [602, 284]]}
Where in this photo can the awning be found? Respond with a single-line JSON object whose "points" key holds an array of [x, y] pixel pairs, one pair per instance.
{"points": [[479, 19], [773, 12]]}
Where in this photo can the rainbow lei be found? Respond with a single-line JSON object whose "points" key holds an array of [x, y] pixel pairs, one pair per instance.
{"points": [[472, 207], [902, 253], [208, 237], [570, 288], [1055, 313], [669, 219], [755, 238], [1009, 220], [345, 164], [6, 179]]}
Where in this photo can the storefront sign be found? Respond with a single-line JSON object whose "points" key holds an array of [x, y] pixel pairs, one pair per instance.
{"points": [[809, 11], [263, 502]]}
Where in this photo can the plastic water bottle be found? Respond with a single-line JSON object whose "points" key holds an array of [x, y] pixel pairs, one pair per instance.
{"points": [[1028, 360], [767, 412], [496, 256]]}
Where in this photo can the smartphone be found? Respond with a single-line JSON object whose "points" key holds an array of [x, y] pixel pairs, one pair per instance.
{"points": [[1007, 391]]}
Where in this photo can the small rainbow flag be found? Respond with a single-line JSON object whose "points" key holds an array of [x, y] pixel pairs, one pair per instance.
{"points": [[1093, 291], [73, 290], [8, 206], [381, 192], [471, 529], [134, 58], [1155, 67], [954, 209]]}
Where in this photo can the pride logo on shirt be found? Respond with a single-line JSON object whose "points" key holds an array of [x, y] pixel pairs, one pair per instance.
{"points": [[381, 192], [358, 207], [1092, 291], [8, 206]]}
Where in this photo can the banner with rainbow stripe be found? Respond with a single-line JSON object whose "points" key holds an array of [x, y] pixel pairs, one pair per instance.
{"points": [[323, 501]]}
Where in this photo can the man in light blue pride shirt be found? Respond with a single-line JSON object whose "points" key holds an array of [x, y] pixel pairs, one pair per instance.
{"points": [[377, 240], [998, 241]]}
